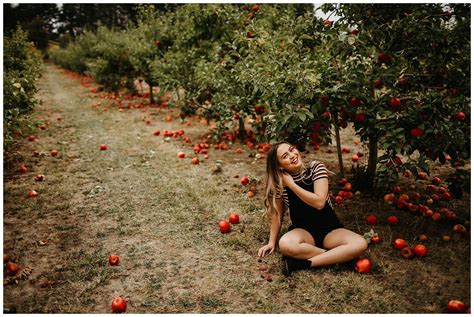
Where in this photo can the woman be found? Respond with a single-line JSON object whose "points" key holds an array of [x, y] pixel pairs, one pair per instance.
{"points": [[316, 237]]}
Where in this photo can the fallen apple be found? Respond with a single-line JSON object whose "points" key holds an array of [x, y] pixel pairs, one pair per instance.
{"points": [[119, 305]]}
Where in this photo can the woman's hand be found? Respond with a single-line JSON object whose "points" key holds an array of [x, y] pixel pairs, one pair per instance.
{"points": [[266, 248], [287, 179]]}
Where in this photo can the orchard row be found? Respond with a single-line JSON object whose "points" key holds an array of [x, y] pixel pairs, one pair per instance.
{"points": [[299, 77]]}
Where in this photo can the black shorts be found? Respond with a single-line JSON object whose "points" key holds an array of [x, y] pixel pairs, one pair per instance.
{"points": [[318, 234]]}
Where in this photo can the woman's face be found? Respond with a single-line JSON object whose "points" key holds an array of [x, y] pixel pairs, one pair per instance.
{"points": [[289, 158]]}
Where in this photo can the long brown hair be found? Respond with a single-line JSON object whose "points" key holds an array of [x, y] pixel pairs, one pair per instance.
{"points": [[273, 179]]}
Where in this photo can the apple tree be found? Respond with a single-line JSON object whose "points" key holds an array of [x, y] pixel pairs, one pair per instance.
{"points": [[404, 71]]}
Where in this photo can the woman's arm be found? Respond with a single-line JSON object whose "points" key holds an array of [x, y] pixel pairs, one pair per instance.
{"points": [[277, 219], [316, 199], [275, 226]]}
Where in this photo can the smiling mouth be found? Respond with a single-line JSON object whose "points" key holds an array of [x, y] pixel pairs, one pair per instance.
{"points": [[295, 160]]}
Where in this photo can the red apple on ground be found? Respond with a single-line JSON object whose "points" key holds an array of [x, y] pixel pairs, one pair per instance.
{"points": [[397, 189], [422, 237], [224, 226], [23, 169], [407, 253], [342, 182], [355, 158], [392, 220], [459, 228], [39, 178], [54, 152], [234, 219], [244, 180], [436, 216], [420, 250], [375, 239], [119, 305], [456, 306], [157, 132], [371, 220], [195, 161], [114, 259], [181, 154], [33, 194], [12, 268], [399, 244], [103, 147], [363, 265]]}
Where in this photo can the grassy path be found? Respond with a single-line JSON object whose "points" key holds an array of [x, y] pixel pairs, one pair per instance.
{"points": [[159, 214]]}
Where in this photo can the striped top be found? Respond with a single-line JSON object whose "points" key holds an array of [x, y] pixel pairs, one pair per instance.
{"points": [[309, 175]]}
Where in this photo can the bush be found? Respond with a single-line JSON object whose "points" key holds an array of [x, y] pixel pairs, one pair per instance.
{"points": [[21, 69]]}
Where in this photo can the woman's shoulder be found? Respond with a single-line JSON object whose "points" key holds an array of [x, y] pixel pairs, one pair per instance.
{"points": [[317, 170], [316, 165]]}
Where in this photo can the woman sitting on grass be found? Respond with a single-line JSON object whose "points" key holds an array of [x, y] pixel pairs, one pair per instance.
{"points": [[316, 237]]}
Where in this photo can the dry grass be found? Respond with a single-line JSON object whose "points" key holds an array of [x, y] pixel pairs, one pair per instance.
{"points": [[160, 214]]}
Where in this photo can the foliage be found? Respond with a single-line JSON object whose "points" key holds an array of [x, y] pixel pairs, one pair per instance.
{"points": [[21, 69], [400, 73]]}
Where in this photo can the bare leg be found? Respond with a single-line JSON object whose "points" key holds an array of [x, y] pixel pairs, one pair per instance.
{"points": [[343, 245], [299, 244]]}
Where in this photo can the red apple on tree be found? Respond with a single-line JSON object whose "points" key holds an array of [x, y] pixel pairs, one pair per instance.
{"points": [[354, 102], [416, 132], [119, 305], [383, 57], [460, 116], [360, 117], [377, 83], [395, 103]]}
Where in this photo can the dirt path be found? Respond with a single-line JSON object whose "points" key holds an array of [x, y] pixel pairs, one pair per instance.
{"points": [[159, 214]]}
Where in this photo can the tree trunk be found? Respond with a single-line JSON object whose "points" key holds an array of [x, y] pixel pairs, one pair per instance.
{"points": [[241, 129], [151, 95], [373, 158], [338, 144]]}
